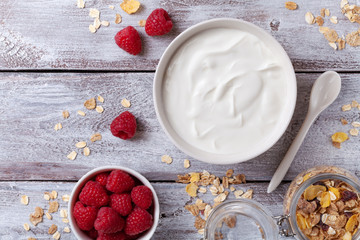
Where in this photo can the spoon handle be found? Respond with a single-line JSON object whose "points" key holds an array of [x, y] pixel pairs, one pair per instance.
{"points": [[290, 155]]}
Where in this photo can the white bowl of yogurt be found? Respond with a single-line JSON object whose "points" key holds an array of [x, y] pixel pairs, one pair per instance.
{"points": [[224, 91]]}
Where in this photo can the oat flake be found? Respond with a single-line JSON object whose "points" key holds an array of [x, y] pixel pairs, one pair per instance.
{"points": [[125, 103], [166, 159], [99, 109], [81, 113], [118, 18], [354, 132], [86, 151], [26, 227], [65, 114], [186, 163], [346, 108], [100, 98], [94, 13], [92, 28], [72, 155], [309, 18], [66, 229], [80, 144]]}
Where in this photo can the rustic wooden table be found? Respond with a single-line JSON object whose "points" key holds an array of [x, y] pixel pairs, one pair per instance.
{"points": [[49, 62]]}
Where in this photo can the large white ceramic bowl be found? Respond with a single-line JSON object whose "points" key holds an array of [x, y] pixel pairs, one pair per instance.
{"points": [[90, 175], [158, 86]]}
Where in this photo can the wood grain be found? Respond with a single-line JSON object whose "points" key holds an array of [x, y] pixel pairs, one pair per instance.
{"points": [[31, 149], [175, 221], [42, 34]]}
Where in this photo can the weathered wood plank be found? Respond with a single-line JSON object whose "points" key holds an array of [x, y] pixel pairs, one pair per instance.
{"points": [[175, 221], [42, 34], [30, 149]]}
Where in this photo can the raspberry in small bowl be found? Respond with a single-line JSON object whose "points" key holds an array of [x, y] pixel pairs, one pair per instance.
{"points": [[113, 202]]}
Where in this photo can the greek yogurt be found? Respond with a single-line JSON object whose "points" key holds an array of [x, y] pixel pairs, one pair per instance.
{"points": [[224, 91]]}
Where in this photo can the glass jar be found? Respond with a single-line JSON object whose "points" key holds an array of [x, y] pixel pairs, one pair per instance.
{"points": [[254, 221]]}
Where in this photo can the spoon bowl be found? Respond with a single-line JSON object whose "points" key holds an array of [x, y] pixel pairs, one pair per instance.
{"points": [[324, 92]]}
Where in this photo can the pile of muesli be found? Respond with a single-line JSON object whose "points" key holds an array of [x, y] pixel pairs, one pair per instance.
{"points": [[329, 209]]}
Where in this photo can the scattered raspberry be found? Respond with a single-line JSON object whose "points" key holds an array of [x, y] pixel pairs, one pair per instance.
{"points": [[84, 216], [142, 196], [124, 126], [121, 203], [119, 182], [129, 40], [108, 221], [93, 194], [138, 221], [102, 178], [112, 236], [93, 234], [158, 23]]}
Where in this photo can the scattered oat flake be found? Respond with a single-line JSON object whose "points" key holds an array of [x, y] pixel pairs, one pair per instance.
{"points": [[331, 35], [92, 28], [238, 193], [48, 216], [86, 151], [291, 5], [24, 200], [341, 43], [80, 4], [248, 194], [65, 198], [80, 144], [186, 163], [53, 207], [309, 18], [26, 227], [99, 109], [65, 114], [336, 144], [354, 104], [81, 113], [53, 194], [191, 189], [97, 23], [354, 132], [202, 190], [125, 103], [118, 18], [94, 13], [319, 20], [193, 209], [323, 29], [220, 198], [100, 99], [52, 229], [166, 159], [339, 137], [333, 45], [58, 126], [334, 20], [56, 236], [142, 23], [130, 6], [355, 124], [112, 7], [72, 155], [95, 137], [63, 213], [353, 39], [327, 12], [66, 229], [90, 103], [344, 121], [346, 108], [105, 23], [47, 196], [65, 220], [322, 12]]}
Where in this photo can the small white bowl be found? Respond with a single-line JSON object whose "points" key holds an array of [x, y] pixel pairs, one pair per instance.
{"points": [[159, 83], [79, 234]]}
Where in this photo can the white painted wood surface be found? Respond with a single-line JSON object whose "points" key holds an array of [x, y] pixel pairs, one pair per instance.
{"points": [[38, 35], [43, 34]]}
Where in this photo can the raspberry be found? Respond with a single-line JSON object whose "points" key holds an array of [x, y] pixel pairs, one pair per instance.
{"points": [[142, 196], [108, 221], [129, 40], [93, 194], [112, 236], [158, 23], [121, 203], [102, 178], [124, 126], [119, 182], [84, 216], [93, 234], [138, 221]]}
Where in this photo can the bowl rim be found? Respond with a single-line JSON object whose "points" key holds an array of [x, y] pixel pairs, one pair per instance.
{"points": [[180, 143], [79, 234]]}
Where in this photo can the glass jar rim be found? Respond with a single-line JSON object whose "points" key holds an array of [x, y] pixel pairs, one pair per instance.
{"points": [[259, 214]]}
